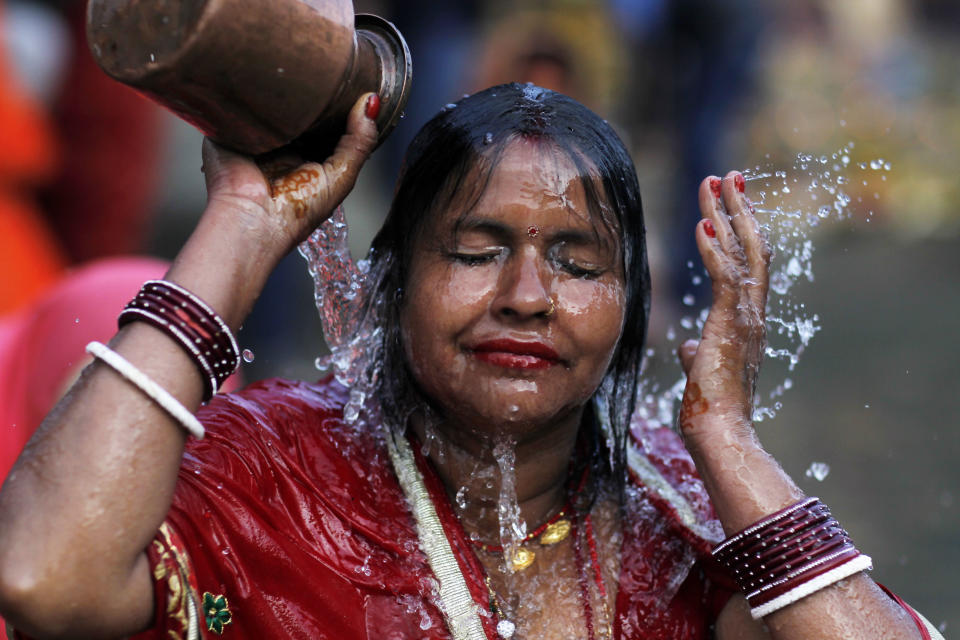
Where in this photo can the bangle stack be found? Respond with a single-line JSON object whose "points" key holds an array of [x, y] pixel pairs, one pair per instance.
{"points": [[789, 555], [192, 324]]}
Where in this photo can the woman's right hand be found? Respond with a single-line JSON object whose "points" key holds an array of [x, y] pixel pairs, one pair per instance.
{"points": [[284, 198]]}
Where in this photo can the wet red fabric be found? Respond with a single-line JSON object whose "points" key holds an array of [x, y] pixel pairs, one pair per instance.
{"points": [[298, 522]]}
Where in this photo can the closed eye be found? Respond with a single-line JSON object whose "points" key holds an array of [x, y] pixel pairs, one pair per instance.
{"points": [[579, 270], [473, 259]]}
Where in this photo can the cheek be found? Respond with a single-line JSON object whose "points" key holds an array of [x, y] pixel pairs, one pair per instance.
{"points": [[468, 287], [597, 310], [435, 314], [599, 304]]}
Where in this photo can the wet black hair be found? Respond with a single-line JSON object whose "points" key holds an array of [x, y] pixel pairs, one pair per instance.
{"points": [[453, 156]]}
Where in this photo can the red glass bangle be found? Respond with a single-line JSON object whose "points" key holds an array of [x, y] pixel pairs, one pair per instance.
{"points": [[789, 555], [192, 324]]}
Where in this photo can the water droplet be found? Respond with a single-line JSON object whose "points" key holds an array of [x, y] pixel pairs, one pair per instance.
{"points": [[153, 58], [487, 138], [689, 300], [450, 105], [76, 321], [818, 471], [794, 267], [280, 71], [247, 355]]}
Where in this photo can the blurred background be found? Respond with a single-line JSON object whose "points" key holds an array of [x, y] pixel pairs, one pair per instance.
{"points": [[91, 171]]}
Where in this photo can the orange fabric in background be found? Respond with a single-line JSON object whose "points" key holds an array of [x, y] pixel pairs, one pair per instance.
{"points": [[30, 256]]}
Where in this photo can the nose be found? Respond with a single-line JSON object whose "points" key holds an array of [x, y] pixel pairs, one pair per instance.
{"points": [[523, 289]]}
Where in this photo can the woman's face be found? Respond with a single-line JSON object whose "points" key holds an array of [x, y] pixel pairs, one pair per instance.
{"points": [[513, 309]]}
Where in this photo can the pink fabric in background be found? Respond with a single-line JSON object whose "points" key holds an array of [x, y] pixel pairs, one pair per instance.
{"points": [[42, 345]]}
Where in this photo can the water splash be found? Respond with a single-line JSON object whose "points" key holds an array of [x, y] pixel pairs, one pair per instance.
{"points": [[818, 471], [512, 527], [347, 317], [818, 190]]}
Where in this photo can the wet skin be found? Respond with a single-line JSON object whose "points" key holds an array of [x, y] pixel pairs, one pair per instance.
{"points": [[512, 313], [510, 332]]}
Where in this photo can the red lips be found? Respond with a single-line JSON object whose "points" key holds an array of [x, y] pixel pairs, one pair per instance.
{"points": [[514, 354]]}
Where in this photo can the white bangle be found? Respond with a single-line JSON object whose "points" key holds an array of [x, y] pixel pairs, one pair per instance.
{"points": [[804, 589], [156, 393]]}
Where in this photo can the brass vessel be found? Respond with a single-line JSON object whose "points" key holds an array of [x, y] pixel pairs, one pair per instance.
{"points": [[255, 75]]}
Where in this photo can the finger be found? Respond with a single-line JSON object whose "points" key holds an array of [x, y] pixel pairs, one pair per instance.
{"points": [[720, 268], [687, 352], [711, 206], [354, 147], [756, 248], [319, 188]]}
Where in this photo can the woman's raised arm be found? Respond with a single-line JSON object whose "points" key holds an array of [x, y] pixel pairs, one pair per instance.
{"points": [[87, 495], [744, 482]]}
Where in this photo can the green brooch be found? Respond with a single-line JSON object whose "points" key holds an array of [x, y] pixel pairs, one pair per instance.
{"points": [[217, 612]]}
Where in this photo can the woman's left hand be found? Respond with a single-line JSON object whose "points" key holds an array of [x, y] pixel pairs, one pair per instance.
{"points": [[722, 373]]}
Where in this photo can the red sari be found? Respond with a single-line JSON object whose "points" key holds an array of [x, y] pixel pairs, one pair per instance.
{"points": [[288, 523]]}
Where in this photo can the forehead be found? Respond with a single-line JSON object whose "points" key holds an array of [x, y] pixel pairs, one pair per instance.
{"points": [[529, 177]]}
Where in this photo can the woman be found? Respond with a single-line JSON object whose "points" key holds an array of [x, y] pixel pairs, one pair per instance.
{"points": [[511, 298]]}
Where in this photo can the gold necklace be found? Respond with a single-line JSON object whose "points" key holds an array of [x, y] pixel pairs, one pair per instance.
{"points": [[603, 629], [551, 532]]}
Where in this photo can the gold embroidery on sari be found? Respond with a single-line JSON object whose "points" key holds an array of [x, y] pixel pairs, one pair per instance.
{"points": [[173, 566]]}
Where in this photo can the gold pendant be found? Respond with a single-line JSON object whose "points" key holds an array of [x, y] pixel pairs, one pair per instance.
{"points": [[522, 559], [555, 532]]}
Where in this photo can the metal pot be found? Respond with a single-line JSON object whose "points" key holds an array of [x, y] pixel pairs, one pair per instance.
{"points": [[255, 75]]}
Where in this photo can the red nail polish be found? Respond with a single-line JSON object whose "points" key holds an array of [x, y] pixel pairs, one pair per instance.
{"points": [[715, 186], [373, 107], [708, 228], [739, 183]]}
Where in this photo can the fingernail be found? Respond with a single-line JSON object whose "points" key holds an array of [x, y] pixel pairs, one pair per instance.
{"points": [[715, 186], [708, 228], [373, 107], [739, 183]]}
